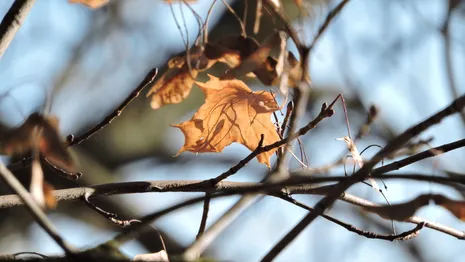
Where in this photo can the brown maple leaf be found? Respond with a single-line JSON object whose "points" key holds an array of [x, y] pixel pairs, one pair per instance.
{"points": [[231, 113]]}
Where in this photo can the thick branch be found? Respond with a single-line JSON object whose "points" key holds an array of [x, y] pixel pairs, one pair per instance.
{"points": [[294, 185]]}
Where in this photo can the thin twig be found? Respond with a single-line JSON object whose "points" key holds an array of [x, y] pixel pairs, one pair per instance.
{"points": [[241, 163], [289, 109], [362, 131], [112, 217], [34, 209], [435, 151], [368, 234], [239, 20], [200, 244], [149, 78], [277, 12], [331, 15], [456, 106], [303, 92], [448, 53], [12, 21], [258, 16], [326, 111], [203, 221], [231, 188], [133, 231]]}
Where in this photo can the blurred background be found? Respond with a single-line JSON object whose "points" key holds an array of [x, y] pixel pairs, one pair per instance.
{"points": [[83, 63]]}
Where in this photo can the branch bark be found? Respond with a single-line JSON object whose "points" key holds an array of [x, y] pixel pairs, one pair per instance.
{"points": [[12, 21]]}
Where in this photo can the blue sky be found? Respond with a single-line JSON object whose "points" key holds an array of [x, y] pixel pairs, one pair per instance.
{"points": [[391, 53]]}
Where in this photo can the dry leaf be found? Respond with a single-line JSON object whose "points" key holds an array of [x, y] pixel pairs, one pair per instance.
{"points": [[173, 87], [457, 208], [90, 3], [197, 57], [254, 60], [44, 130], [231, 113], [295, 72], [267, 72], [176, 83], [52, 147], [244, 55], [231, 50], [49, 197], [222, 54], [400, 212]]}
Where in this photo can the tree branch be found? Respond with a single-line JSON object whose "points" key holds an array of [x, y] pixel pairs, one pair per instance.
{"points": [[231, 188], [296, 184], [435, 151], [12, 21], [148, 79], [34, 209], [368, 234], [456, 106]]}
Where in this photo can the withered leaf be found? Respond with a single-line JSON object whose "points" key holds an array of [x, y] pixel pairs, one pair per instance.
{"points": [[244, 55], [222, 54], [197, 57], [253, 59], [400, 212], [231, 113], [176, 83], [457, 208], [41, 133], [173, 87], [50, 199], [231, 50], [90, 3]]}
